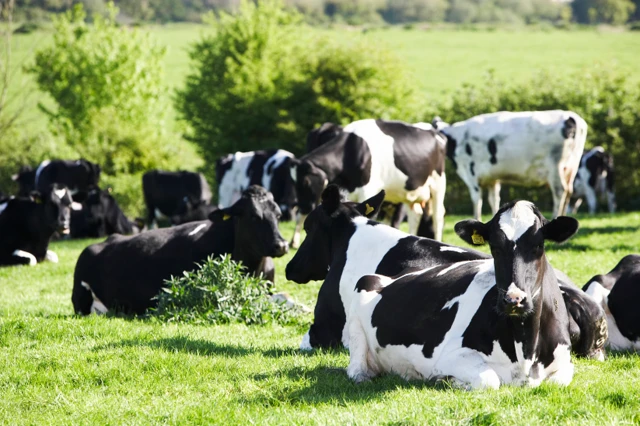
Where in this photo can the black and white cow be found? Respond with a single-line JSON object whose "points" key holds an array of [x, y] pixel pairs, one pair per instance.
{"points": [[126, 273], [617, 292], [342, 245], [519, 148], [27, 224], [595, 175], [367, 156], [269, 169], [173, 194], [26, 180], [99, 215], [77, 175], [482, 323]]}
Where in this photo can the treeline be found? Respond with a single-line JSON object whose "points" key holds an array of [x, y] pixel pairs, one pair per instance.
{"points": [[358, 12]]}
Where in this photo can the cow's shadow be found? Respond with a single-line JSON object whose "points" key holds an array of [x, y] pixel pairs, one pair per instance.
{"points": [[588, 230]]}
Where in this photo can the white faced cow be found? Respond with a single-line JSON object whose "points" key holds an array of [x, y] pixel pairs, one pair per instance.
{"points": [[269, 169], [342, 245], [482, 323], [595, 175], [367, 156], [617, 293], [519, 148]]}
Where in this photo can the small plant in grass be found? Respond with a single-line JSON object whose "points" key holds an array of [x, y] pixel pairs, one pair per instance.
{"points": [[221, 292]]}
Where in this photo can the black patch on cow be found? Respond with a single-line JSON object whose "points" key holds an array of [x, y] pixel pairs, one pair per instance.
{"points": [[416, 152], [255, 170], [475, 188], [369, 283], [411, 310], [471, 168], [451, 150], [493, 149], [223, 165], [569, 128], [467, 148]]}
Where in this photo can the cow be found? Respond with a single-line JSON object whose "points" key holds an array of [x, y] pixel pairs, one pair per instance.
{"points": [[616, 293], [126, 273], [370, 155], [343, 244], [269, 169], [595, 175], [482, 323], [173, 194], [79, 176], [26, 180], [27, 224], [519, 148], [99, 216]]}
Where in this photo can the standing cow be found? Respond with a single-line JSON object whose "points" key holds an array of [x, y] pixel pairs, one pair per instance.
{"points": [[595, 175], [79, 176], [269, 169], [371, 155], [519, 148]]}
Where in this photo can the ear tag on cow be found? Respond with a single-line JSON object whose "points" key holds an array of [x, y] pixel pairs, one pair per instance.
{"points": [[368, 209], [476, 238], [226, 217]]}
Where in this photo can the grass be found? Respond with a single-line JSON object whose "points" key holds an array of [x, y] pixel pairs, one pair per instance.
{"points": [[57, 368]]}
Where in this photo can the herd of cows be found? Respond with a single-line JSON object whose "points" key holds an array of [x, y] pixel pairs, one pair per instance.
{"points": [[402, 303]]}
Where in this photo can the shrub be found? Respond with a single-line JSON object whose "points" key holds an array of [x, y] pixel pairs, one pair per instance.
{"points": [[220, 292]]}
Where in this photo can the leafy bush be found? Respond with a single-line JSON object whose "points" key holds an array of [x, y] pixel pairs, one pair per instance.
{"points": [[220, 292]]}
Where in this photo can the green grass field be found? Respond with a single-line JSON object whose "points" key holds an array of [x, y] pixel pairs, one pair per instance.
{"points": [[56, 368]]}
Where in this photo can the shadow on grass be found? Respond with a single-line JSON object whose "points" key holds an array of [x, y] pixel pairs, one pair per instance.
{"points": [[588, 230]]}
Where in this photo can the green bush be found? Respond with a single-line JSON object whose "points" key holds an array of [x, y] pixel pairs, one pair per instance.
{"points": [[220, 292]]}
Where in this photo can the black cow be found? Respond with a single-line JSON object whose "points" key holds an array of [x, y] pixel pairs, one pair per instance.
{"points": [[617, 293], [342, 245], [370, 155], [595, 175], [173, 194], [26, 180], [27, 224], [481, 323], [98, 216], [269, 169], [79, 176], [126, 273]]}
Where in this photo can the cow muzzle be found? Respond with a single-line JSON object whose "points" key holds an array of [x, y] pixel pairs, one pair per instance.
{"points": [[515, 301], [280, 248]]}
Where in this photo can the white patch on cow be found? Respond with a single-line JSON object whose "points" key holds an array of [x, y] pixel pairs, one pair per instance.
{"points": [[273, 163], [305, 345], [452, 267], [454, 249], [3, 206], [198, 229], [60, 193], [51, 256], [26, 255], [97, 307], [39, 170], [517, 220], [235, 180], [294, 173], [76, 206], [422, 125], [560, 371]]}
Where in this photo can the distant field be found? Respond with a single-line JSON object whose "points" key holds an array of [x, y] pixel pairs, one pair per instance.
{"points": [[441, 60]]}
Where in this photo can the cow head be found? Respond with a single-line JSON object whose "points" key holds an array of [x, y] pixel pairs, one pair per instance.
{"points": [[57, 208], [322, 135], [313, 258], [516, 235], [255, 216], [309, 182]]}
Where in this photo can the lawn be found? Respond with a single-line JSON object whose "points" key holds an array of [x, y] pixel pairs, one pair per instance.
{"points": [[56, 368]]}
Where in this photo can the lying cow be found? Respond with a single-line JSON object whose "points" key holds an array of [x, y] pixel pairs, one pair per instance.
{"points": [[519, 148], [269, 169], [482, 323], [79, 176], [370, 155], [126, 273], [27, 224], [173, 194], [342, 245], [99, 216], [595, 175], [617, 292]]}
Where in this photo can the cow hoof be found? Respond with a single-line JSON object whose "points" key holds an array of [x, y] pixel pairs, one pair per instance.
{"points": [[358, 376], [51, 256], [305, 345]]}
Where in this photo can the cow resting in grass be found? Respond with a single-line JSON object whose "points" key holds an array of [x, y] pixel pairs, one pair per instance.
{"points": [[126, 273], [77, 175], [99, 215], [367, 156], [342, 245], [482, 323], [519, 148]]}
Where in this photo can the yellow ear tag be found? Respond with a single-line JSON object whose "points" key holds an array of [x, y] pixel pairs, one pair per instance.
{"points": [[226, 217], [368, 210], [477, 238]]}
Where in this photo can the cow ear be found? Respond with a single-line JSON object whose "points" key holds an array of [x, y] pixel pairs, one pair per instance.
{"points": [[472, 231], [371, 207], [223, 215], [36, 197], [331, 199], [560, 229]]}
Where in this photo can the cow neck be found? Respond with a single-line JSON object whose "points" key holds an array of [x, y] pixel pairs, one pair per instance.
{"points": [[328, 157], [340, 238], [240, 253]]}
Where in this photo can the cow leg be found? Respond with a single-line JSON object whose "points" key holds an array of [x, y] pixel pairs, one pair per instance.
{"points": [[576, 206], [468, 370], [413, 218], [476, 200], [21, 257], [295, 241], [438, 190], [559, 194], [592, 199], [359, 369], [51, 256], [494, 196], [611, 201]]}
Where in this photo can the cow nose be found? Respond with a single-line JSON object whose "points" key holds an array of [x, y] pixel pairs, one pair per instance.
{"points": [[281, 248], [517, 300], [514, 297]]}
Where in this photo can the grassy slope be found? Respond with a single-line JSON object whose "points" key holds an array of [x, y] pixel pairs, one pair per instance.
{"points": [[56, 368]]}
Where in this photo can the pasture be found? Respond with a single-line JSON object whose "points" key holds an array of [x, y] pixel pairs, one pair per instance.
{"points": [[61, 369]]}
